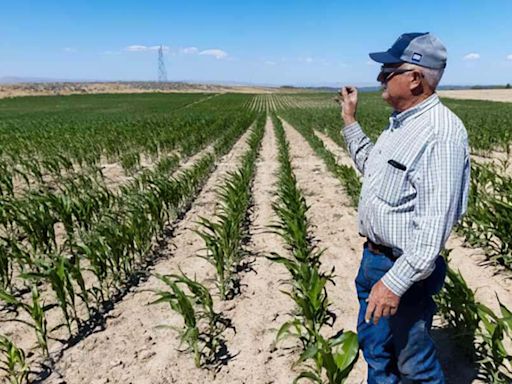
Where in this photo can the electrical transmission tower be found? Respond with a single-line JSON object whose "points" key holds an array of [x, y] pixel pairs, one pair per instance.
{"points": [[162, 72]]}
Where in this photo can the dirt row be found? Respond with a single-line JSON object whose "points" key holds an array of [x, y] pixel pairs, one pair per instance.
{"points": [[501, 159]]}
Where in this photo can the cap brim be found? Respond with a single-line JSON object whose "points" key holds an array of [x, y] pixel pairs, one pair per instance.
{"points": [[384, 58]]}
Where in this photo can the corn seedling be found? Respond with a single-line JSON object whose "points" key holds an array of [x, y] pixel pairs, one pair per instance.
{"points": [[13, 361], [60, 272], [203, 327], [36, 311], [225, 234]]}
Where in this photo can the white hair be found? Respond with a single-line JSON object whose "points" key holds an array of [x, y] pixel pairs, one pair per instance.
{"points": [[432, 76]]}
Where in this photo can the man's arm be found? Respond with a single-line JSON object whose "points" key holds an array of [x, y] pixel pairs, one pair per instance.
{"points": [[359, 145], [440, 188]]}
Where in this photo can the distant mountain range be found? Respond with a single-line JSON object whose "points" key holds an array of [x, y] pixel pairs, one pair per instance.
{"points": [[17, 80], [365, 87]]}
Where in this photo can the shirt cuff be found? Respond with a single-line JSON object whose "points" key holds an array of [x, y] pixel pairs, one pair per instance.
{"points": [[399, 278], [352, 131]]}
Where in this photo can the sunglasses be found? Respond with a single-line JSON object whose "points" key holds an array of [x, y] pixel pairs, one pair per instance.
{"points": [[386, 73]]}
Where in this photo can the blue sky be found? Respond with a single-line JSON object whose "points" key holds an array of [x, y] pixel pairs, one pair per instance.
{"points": [[267, 42]]}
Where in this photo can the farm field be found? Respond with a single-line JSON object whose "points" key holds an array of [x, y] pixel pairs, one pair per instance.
{"points": [[504, 95], [151, 238]]}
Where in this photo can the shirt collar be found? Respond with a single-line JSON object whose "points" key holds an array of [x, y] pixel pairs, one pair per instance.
{"points": [[397, 119]]}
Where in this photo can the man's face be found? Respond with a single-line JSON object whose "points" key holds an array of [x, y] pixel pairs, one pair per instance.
{"points": [[396, 83]]}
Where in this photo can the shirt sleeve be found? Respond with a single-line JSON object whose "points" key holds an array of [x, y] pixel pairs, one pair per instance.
{"points": [[359, 145], [440, 185]]}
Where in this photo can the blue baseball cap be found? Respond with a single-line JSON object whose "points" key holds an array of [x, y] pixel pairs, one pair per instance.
{"points": [[422, 49]]}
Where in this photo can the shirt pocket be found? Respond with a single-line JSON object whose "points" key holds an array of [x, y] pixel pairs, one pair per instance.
{"points": [[393, 186]]}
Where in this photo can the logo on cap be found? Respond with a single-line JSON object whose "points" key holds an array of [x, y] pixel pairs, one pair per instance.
{"points": [[416, 57]]}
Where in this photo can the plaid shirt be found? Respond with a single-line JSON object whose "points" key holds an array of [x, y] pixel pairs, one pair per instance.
{"points": [[415, 186]]}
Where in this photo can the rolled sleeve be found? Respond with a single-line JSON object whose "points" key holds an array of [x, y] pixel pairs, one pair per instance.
{"points": [[440, 185]]}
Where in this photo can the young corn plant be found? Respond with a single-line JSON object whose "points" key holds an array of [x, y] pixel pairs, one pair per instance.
{"points": [[61, 273], [6, 266], [225, 234], [334, 357], [13, 361], [37, 312], [202, 326]]}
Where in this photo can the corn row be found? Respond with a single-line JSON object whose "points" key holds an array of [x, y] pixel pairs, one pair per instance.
{"points": [[345, 174], [333, 357], [488, 221], [32, 139], [485, 336], [225, 233]]}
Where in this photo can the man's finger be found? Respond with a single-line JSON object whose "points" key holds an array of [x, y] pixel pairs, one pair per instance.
{"points": [[393, 311], [344, 92], [377, 314], [369, 311], [386, 311]]}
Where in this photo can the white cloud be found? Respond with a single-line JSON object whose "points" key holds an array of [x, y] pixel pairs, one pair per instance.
{"points": [[190, 50], [144, 48], [472, 56], [269, 62], [509, 57], [69, 50], [308, 60], [217, 53], [136, 48]]}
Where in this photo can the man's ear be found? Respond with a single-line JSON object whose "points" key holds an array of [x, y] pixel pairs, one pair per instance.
{"points": [[416, 84]]}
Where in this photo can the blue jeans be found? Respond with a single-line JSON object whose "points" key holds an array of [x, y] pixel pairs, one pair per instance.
{"points": [[399, 349]]}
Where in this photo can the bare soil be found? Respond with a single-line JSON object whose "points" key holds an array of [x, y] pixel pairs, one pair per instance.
{"points": [[501, 159], [504, 95]]}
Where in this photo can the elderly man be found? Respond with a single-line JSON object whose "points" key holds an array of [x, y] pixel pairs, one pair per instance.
{"points": [[415, 186]]}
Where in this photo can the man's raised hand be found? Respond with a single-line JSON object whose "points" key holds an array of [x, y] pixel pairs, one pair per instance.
{"points": [[348, 103]]}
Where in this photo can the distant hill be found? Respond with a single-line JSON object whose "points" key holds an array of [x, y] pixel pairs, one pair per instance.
{"points": [[20, 80]]}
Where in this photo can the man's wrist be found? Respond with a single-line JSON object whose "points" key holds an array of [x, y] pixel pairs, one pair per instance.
{"points": [[348, 120]]}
